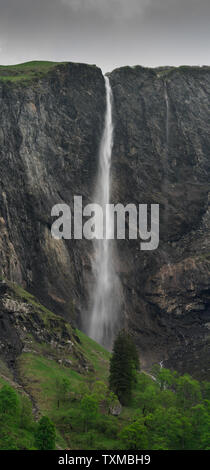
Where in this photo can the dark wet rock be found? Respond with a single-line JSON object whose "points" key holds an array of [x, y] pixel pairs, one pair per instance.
{"points": [[166, 161], [49, 137]]}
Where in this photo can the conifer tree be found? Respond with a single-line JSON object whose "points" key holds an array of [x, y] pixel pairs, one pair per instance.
{"points": [[45, 434], [124, 363]]}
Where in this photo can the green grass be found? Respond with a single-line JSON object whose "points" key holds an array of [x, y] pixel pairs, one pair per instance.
{"points": [[40, 372], [26, 71], [39, 375], [96, 354]]}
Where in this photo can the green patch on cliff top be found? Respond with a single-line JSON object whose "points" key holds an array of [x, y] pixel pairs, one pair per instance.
{"points": [[26, 71]]}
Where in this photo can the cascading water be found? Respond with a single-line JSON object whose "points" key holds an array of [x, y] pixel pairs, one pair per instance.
{"points": [[166, 153], [167, 114], [106, 291], [165, 186]]}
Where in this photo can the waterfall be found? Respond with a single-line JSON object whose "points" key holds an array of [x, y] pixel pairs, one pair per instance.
{"points": [[167, 114], [166, 153], [106, 290], [165, 185]]}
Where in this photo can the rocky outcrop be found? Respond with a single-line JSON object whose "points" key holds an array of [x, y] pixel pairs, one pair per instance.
{"points": [[28, 327], [50, 129]]}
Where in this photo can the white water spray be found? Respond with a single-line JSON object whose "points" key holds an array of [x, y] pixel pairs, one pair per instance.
{"points": [[106, 292]]}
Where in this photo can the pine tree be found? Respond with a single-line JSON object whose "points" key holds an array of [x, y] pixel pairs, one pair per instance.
{"points": [[134, 355], [123, 365], [45, 434]]}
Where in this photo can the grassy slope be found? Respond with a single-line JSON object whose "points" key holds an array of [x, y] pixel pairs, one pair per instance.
{"points": [[39, 368], [39, 375], [26, 71], [41, 365]]}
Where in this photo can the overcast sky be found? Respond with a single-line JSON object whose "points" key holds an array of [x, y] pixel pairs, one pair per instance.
{"points": [[109, 33]]}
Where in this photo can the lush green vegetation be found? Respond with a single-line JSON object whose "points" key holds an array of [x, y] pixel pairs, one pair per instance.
{"points": [[17, 426], [45, 434], [82, 397], [170, 412], [26, 71]]}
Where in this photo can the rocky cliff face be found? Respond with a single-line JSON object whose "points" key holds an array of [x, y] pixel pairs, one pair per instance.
{"points": [[161, 156], [50, 129]]}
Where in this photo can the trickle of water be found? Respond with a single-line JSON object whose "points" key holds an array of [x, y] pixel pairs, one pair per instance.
{"points": [[166, 154], [106, 291], [167, 114]]}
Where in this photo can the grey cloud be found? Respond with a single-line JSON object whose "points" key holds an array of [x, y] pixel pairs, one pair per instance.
{"points": [[107, 32], [112, 9]]}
